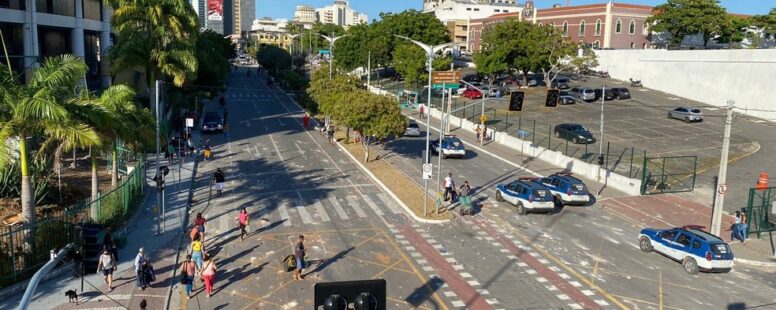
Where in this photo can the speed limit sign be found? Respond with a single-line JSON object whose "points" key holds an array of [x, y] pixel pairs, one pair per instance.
{"points": [[426, 171], [722, 189]]}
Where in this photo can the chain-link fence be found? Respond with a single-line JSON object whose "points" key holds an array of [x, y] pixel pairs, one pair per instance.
{"points": [[24, 249], [668, 174], [760, 212]]}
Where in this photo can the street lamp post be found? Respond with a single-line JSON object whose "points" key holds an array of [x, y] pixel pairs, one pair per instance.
{"points": [[430, 52], [600, 145], [331, 48]]}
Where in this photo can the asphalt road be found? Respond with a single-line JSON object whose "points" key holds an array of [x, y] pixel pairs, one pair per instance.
{"points": [[593, 249]]}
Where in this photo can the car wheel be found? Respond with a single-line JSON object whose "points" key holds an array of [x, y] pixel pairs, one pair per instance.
{"points": [[558, 201], [687, 119], [669, 115], [690, 265], [444, 156], [645, 244], [520, 208], [499, 198]]}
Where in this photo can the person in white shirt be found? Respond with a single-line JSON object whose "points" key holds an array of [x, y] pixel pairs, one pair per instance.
{"points": [[139, 259], [449, 187]]}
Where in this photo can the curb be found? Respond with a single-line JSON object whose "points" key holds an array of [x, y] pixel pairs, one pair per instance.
{"points": [[755, 263]]}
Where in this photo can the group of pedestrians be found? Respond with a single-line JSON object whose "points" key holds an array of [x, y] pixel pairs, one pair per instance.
{"points": [[107, 263], [451, 193], [739, 227], [481, 133], [198, 262]]}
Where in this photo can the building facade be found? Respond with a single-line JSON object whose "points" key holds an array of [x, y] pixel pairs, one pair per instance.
{"points": [[458, 14], [35, 30], [340, 13], [305, 16], [269, 24], [609, 25], [227, 17]]}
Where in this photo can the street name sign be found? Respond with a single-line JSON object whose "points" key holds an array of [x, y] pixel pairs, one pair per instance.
{"points": [[446, 77]]}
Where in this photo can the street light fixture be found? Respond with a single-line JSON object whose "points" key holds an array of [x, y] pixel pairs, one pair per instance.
{"points": [[430, 50], [331, 48]]}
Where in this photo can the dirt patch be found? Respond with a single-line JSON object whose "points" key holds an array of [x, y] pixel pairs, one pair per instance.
{"points": [[401, 185]]}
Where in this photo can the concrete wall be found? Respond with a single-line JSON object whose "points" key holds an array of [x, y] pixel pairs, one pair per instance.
{"points": [[746, 76]]}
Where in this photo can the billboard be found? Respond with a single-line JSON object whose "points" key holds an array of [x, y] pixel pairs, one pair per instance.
{"points": [[215, 9]]}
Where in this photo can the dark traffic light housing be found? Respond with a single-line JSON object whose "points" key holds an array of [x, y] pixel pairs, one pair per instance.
{"points": [[516, 101], [363, 294], [553, 95]]}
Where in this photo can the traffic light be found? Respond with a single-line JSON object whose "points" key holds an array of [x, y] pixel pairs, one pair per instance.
{"points": [[363, 294], [552, 98], [516, 101]]}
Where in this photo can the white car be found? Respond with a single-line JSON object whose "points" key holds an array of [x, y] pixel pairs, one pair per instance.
{"points": [[526, 195], [412, 130]]}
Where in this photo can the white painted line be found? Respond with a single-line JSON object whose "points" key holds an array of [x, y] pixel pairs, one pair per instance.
{"points": [[553, 268], [522, 264], [575, 284], [491, 301], [511, 257], [465, 275], [575, 306], [457, 267], [531, 271], [388, 203], [404, 242], [458, 304], [565, 276], [551, 288], [563, 297], [306, 217], [283, 209], [437, 246], [534, 254], [482, 291], [449, 294], [399, 236], [372, 205], [473, 282], [409, 248], [321, 211], [432, 241], [588, 292], [422, 261], [338, 208], [541, 280], [353, 203], [601, 302], [277, 150], [425, 236], [489, 238], [543, 261], [451, 260], [504, 251], [428, 268], [495, 244], [416, 254]]}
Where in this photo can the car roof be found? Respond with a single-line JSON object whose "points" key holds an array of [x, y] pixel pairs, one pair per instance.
{"points": [[566, 177], [700, 234], [532, 184]]}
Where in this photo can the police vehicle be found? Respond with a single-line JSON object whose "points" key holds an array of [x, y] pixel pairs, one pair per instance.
{"points": [[451, 147], [567, 189], [527, 194], [696, 249]]}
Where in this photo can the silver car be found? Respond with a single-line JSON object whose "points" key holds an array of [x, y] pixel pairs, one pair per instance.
{"points": [[687, 114], [412, 130], [582, 93]]}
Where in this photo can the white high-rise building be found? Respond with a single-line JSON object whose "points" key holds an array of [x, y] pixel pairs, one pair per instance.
{"points": [[341, 14], [456, 14], [269, 24]]}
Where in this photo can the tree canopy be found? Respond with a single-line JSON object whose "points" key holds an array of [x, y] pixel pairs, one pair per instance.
{"points": [[767, 23], [273, 58], [213, 52], [681, 18]]}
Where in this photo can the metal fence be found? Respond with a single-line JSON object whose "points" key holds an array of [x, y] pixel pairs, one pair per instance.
{"points": [[668, 174], [760, 211], [24, 249]]}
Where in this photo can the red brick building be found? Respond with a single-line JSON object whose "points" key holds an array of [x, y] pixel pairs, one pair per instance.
{"points": [[606, 25]]}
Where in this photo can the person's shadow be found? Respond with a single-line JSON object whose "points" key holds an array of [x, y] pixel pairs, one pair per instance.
{"points": [[326, 262]]}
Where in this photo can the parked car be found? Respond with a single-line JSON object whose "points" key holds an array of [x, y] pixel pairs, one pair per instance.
{"points": [[565, 98], [398, 77], [488, 91], [608, 94], [463, 87], [412, 130], [510, 86], [212, 122], [696, 249], [567, 189], [582, 93], [472, 78], [526, 194], [472, 93], [621, 93], [575, 133], [560, 83], [451, 147], [687, 114]]}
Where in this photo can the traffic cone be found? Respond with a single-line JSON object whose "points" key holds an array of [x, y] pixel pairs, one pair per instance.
{"points": [[762, 183]]}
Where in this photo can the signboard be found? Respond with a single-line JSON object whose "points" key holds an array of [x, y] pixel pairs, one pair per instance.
{"points": [[445, 86], [215, 9], [189, 122], [722, 189], [483, 119], [449, 77], [427, 171], [323, 52]]}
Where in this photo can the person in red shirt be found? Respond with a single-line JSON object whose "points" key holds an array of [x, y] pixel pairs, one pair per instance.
{"points": [[243, 221], [306, 120], [199, 222]]}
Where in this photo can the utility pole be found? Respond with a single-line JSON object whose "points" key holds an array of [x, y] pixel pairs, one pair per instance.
{"points": [[158, 176], [368, 69], [719, 192], [600, 144], [449, 102]]}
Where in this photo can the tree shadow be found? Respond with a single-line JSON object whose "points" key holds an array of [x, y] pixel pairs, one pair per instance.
{"points": [[326, 262], [424, 292]]}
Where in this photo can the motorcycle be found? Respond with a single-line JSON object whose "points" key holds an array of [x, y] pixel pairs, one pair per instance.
{"points": [[635, 83]]}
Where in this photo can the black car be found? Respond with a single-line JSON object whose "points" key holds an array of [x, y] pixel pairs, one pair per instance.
{"points": [[575, 133], [212, 122], [608, 94], [560, 83], [472, 78], [621, 93], [565, 98], [398, 77]]}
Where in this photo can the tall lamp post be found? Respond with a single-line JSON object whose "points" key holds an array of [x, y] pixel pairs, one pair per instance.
{"points": [[430, 52], [291, 48], [331, 48]]}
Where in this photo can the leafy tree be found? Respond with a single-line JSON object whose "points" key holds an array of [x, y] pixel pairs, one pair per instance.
{"points": [[767, 23], [585, 61], [373, 116], [274, 58], [734, 30], [680, 18], [410, 61], [492, 58], [327, 93], [213, 52]]}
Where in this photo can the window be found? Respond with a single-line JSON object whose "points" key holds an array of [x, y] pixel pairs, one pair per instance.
{"points": [[565, 29], [12, 4], [645, 29], [582, 28], [683, 240], [618, 26], [632, 27], [598, 27], [596, 44], [476, 9], [668, 235], [696, 244], [496, 11]]}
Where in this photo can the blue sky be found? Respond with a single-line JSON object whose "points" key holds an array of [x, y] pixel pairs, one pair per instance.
{"points": [[285, 8]]}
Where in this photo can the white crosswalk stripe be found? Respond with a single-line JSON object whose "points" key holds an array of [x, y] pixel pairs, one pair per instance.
{"points": [[306, 217], [389, 203], [321, 212], [372, 205], [338, 208], [353, 203], [283, 209]]}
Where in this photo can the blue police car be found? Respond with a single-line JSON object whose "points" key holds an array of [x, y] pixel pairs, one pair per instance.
{"points": [[527, 194], [567, 189], [451, 146], [696, 249]]}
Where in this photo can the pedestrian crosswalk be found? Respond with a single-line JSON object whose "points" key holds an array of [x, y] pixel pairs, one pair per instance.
{"points": [[314, 211]]}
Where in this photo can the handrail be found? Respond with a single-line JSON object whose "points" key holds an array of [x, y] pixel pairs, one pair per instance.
{"points": [[33, 285]]}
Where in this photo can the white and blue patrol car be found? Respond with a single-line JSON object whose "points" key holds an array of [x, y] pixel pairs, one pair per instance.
{"points": [[526, 195], [451, 146], [567, 189], [696, 249]]}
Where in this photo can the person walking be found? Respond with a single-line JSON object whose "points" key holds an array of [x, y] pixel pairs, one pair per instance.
{"points": [[208, 274], [330, 133], [306, 121], [477, 131], [744, 225], [735, 229], [188, 269], [299, 254], [243, 221], [197, 249], [171, 152], [449, 187], [218, 179], [422, 111], [139, 260], [199, 222], [464, 190], [207, 153], [485, 133], [107, 263]]}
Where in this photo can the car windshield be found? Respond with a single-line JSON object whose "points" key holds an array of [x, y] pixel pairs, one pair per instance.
{"points": [[578, 128], [543, 193], [454, 143], [413, 125]]}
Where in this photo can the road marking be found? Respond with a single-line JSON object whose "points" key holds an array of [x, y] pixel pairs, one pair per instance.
{"points": [[660, 291], [338, 208], [284, 214], [321, 211], [353, 203], [388, 203], [306, 217], [277, 150], [249, 151], [372, 204], [301, 151]]}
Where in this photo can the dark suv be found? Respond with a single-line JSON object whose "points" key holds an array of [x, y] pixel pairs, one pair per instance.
{"points": [[575, 133], [567, 189], [621, 93], [608, 94]]}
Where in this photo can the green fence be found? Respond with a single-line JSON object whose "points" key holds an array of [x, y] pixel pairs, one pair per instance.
{"points": [[24, 249], [668, 174], [760, 212]]}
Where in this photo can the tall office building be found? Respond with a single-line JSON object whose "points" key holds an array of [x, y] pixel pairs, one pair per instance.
{"points": [[341, 14], [199, 7], [227, 16]]}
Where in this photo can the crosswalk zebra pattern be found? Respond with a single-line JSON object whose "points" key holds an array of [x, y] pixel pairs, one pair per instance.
{"points": [[309, 211]]}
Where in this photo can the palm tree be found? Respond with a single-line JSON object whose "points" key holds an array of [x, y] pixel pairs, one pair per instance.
{"points": [[157, 35], [39, 108]]}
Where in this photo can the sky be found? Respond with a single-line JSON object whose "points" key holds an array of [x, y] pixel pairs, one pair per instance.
{"points": [[285, 8]]}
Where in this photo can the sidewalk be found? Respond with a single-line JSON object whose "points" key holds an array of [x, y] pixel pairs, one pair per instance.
{"points": [[141, 232]]}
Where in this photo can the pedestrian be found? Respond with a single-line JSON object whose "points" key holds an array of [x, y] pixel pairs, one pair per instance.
{"points": [[208, 274], [735, 230], [243, 221], [197, 248], [330, 133], [299, 254], [477, 131], [207, 153], [139, 260], [171, 152], [422, 111], [143, 304], [190, 144], [147, 275], [218, 179], [188, 269], [744, 225], [305, 121], [464, 190], [107, 263], [106, 240], [226, 130], [199, 222], [194, 234], [449, 187]]}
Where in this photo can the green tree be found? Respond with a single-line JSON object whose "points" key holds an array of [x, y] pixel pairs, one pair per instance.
{"points": [[585, 61], [680, 18], [734, 30], [373, 116], [213, 52], [39, 109], [767, 23], [410, 61], [327, 93], [273, 58], [157, 35]]}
